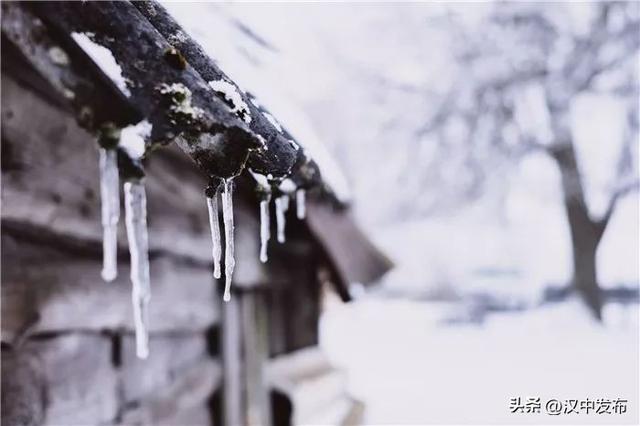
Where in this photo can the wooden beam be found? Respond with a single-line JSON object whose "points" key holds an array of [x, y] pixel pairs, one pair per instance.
{"points": [[245, 356], [168, 92]]}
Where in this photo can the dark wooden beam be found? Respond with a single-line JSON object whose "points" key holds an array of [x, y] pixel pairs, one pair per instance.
{"points": [[283, 156], [171, 95]]}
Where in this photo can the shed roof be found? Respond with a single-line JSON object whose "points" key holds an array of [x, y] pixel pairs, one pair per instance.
{"points": [[156, 56]]}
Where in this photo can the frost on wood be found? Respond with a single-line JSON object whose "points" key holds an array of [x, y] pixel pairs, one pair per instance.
{"points": [[135, 203], [300, 203], [265, 233], [282, 205], [227, 218], [110, 199], [103, 58], [181, 99], [214, 224], [233, 97], [203, 142], [58, 56], [271, 119]]}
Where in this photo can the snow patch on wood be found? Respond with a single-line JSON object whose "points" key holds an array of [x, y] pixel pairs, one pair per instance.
{"points": [[233, 97], [181, 100], [104, 59], [132, 139], [272, 120]]}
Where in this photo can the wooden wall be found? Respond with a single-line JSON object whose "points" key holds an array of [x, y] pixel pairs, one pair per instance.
{"points": [[67, 336], [68, 354]]}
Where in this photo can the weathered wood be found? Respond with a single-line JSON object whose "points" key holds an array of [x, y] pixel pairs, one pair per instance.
{"points": [[282, 152], [50, 177], [23, 388], [72, 76], [175, 99], [90, 398], [283, 156], [256, 353], [169, 356], [352, 257], [194, 416], [294, 302], [232, 363], [54, 187], [64, 291], [245, 355], [175, 382]]}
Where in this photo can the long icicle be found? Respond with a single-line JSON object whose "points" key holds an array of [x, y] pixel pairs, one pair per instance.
{"points": [[110, 200], [135, 203], [227, 218], [214, 225], [265, 232], [301, 203], [282, 205]]}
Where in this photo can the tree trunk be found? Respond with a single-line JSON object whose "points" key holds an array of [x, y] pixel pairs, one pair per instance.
{"points": [[585, 279], [585, 232]]}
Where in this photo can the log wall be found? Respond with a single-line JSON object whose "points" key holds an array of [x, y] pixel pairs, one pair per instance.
{"points": [[68, 355]]}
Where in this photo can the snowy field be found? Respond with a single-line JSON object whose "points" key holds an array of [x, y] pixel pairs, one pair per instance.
{"points": [[411, 368]]}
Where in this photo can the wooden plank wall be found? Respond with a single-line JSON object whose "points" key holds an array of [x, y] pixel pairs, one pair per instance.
{"points": [[71, 334], [68, 355]]}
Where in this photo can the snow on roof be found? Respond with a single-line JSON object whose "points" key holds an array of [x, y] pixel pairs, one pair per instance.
{"points": [[104, 59], [255, 69]]}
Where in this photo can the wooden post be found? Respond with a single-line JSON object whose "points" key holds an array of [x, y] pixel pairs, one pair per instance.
{"points": [[245, 355]]}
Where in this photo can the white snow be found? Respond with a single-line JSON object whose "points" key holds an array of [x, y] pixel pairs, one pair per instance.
{"points": [[135, 204], [294, 144], [214, 225], [598, 146], [104, 59], [227, 218], [177, 38], [181, 96], [410, 368], [110, 211], [132, 139], [58, 56], [232, 95], [271, 119], [346, 91]]}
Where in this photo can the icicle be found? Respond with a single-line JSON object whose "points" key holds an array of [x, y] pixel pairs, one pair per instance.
{"points": [[212, 205], [110, 199], [227, 217], [265, 233], [300, 204], [135, 204], [282, 205]]}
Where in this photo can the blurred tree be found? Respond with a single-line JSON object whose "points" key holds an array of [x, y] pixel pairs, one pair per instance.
{"points": [[518, 78]]}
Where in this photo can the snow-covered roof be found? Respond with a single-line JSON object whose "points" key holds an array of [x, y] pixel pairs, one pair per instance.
{"points": [[252, 63]]}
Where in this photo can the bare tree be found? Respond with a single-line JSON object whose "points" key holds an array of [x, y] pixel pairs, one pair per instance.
{"points": [[526, 48]]}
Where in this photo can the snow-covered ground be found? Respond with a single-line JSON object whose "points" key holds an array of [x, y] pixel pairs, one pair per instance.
{"points": [[411, 368]]}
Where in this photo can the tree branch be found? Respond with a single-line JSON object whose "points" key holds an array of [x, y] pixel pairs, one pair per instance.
{"points": [[615, 197]]}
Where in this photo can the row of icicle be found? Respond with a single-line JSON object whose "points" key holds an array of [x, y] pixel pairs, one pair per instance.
{"points": [[282, 205], [137, 236]]}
